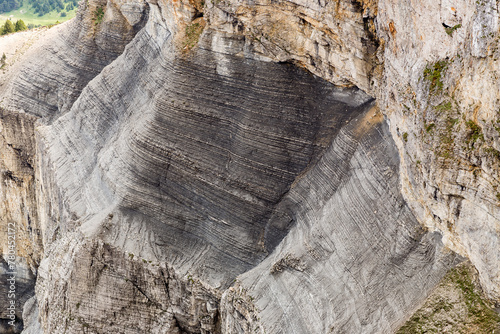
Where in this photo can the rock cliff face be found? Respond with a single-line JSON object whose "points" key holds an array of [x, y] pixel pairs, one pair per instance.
{"points": [[442, 100], [242, 167], [19, 214]]}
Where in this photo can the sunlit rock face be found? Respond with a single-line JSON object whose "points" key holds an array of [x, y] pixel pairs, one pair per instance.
{"points": [[21, 245], [441, 97], [230, 167]]}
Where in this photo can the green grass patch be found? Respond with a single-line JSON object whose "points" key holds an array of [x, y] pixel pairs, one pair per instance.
{"points": [[444, 107], [405, 137], [467, 313], [28, 15], [444, 129], [192, 34], [483, 316], [475, 132], [430, 127], [450, 30], [98, 15], [492, 152], [434, 74], [447, 138]]}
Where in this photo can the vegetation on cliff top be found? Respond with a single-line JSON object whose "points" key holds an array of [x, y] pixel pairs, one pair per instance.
{"points": [[40, 7], [9, 27], [34, 18]]}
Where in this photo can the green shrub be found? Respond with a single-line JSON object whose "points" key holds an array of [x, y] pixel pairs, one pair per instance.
{"points": [[98, 15], [8, 27], [429, 127], [444, 106], [494, 153], [193, 32], [450, 30], [475, 132], [20, 26], [434, 74]]}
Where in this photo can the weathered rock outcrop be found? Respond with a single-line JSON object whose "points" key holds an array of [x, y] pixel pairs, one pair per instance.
{"points": [[44, 79], [442, 100], [20, 233], [315, 281], [174, 166], [335, 40], [54, 71]]}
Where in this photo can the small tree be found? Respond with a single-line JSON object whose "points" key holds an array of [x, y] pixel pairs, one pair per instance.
{"points": [[20, 25], [8, 28]]}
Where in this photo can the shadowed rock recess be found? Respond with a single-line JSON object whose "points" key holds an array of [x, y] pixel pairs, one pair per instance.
{"points": [[218, 187]]}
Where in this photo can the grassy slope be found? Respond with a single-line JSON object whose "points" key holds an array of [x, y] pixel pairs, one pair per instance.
{"points": [[27, 14], [456, 306]]}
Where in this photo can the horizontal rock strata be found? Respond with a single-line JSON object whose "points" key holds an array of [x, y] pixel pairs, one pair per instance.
{"points": [[184, 167]]}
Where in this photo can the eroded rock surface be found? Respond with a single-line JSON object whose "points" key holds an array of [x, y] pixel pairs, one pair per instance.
{"points": [[315, 281], [442, 100], [20, 234], [176, 168], [48, 78]]}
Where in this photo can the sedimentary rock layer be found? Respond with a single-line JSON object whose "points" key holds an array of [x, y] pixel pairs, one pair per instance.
{"points": [[356, 261], [188, 175], [184, 161], [202, 165], [51, 74]]}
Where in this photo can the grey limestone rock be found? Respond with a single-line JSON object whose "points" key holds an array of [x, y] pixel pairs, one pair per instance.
{"points": [[356, 261], [30, 317], [184, 167]]}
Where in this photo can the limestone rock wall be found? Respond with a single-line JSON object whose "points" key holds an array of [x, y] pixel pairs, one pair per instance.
{"points": [[187, 167], [335, 40], [19, 206], [315, 281], [20, 234], [49, 77], [433, 68], [438, 88], [190, 175], [44, 75], [441, 97], [104, 290]]}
